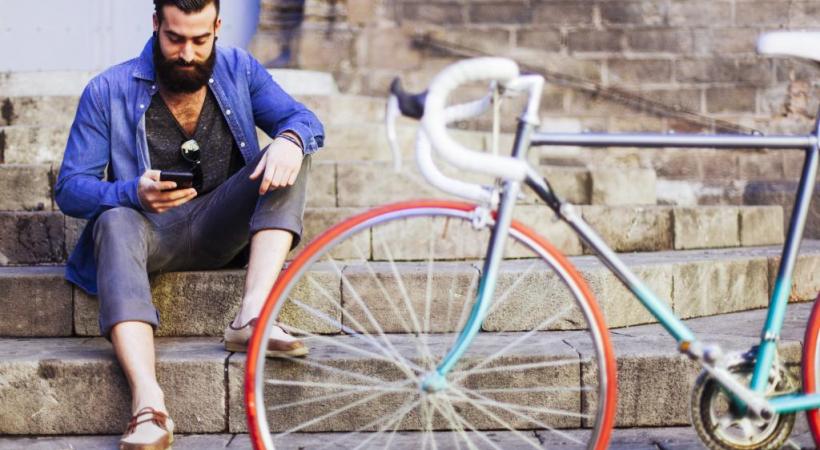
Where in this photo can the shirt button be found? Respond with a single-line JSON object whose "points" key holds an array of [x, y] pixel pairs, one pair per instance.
{"points": [[154, 86], [242, 144], [142, 106], [211, 81], [228, 112]]}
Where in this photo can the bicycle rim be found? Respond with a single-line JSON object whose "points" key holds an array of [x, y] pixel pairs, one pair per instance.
{"points": [[811, 367], [379, 299]]}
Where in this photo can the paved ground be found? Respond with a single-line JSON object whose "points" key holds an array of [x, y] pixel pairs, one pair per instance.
{"points": [[683, 438]]}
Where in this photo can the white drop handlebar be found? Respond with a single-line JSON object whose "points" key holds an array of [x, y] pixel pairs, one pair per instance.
{"points": [[433, 133], [434, 121]]}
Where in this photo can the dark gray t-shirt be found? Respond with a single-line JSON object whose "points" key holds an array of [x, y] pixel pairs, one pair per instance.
{"points": [[219, 155]]}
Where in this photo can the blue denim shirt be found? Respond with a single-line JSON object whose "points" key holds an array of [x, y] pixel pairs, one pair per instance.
{"points": [[108, 135]]}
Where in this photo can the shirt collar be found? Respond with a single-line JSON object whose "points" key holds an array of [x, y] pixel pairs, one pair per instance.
{"points": [[145, 62]]}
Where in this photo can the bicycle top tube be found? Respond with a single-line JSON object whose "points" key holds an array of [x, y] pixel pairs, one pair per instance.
{"points": [[801, 142]]}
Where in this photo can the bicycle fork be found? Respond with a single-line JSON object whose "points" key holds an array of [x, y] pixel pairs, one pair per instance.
{"points": [[436, 380]]}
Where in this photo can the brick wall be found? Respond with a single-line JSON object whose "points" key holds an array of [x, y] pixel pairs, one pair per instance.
{"points": [[695, 54]]}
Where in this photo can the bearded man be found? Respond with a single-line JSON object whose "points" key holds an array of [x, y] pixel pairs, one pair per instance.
{"points": [[183, 105]]}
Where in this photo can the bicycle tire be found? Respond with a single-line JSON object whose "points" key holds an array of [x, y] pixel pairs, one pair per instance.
{"points": [[811, 366], [575, 349]]}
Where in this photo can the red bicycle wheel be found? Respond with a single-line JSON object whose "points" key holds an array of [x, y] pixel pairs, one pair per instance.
{"points": [[379, 299], [811, 367]]}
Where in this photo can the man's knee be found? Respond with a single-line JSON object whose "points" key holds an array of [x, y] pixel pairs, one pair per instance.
{"points": [[117, 221]]}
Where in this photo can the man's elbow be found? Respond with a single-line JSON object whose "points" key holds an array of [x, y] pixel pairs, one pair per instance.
{"points": [[65, 201]]}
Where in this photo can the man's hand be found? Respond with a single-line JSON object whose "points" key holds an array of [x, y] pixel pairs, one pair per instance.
{"points": [[160, 196], [280, 165]]}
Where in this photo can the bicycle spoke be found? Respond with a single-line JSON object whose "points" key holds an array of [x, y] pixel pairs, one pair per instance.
{"points": [[519, 408], [469, 300], [372, 380], [503, 423], [430, 416], [424, 350], [514, 343], [516, 367], [397, 421], [535, 389], [392, 351], [349, 387], [317, 364], [450, 300], [387, 296], [338, 411], [379, 421], [449, 413], [392, 356], [478, 433], [392, 434], [511, 288], [428, 292], [308, 401], [513, 409], [428, 295], [424, 416], [337, 341]]}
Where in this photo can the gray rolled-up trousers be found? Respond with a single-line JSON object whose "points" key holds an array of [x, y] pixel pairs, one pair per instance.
{"points": [[207, 232]]}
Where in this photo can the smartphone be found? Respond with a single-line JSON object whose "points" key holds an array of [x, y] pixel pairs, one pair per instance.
{"points": [[183, 180]]}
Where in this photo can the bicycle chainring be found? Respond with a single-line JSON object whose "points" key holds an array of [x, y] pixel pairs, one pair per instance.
{"points": [[719, 423]]}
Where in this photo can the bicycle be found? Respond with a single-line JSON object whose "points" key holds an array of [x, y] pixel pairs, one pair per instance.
{"points": [[425, 335]]}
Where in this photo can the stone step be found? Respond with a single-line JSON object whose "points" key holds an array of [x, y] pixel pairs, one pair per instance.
{"points": [[72, 83], [34, 144], [59, 110], [752, 192], [371, 183], [671, 438], [374, 182], [697, 283], [29, 187], [22, 144], [26, 187], [48, 237], [704, 165], [47, 389]]}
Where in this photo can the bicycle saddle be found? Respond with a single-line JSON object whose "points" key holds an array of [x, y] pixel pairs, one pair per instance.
{"points": [[803, 44]]}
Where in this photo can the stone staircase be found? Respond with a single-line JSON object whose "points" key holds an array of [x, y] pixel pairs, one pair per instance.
{"points": [[714, 264]]}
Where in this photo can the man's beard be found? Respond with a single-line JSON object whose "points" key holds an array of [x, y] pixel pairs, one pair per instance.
{"points": [[176, 77]]}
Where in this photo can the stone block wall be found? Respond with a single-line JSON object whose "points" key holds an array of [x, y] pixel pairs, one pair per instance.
{"points": [[276, 33], [698, 55]]}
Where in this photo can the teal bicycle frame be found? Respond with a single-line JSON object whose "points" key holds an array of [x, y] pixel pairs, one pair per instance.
{"points": [[526, 137]]}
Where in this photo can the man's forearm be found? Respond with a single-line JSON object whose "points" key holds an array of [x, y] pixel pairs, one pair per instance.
{"points": [[87, 197]]}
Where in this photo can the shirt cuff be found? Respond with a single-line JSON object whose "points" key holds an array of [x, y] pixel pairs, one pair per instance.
{"points": [[309, 144], [132, 191]]}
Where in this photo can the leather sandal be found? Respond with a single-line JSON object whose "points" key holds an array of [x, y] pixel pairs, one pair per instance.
{"points": [[280, 343], [133, 440]]}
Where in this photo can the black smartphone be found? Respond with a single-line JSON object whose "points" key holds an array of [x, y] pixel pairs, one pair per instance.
{"points": [[183, 180]]}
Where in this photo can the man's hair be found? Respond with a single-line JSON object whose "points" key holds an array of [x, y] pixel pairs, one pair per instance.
{"points": [[187, 6]]}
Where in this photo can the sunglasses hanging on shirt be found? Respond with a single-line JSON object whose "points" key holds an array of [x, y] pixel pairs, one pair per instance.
{"points": [[191, 153]]}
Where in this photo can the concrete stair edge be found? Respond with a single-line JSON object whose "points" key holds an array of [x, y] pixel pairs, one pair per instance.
{"points": [[707, 282], [47, 378], [47, 237]]}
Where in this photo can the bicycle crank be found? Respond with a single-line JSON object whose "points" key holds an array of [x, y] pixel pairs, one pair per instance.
{"points": [[720, 424]]}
